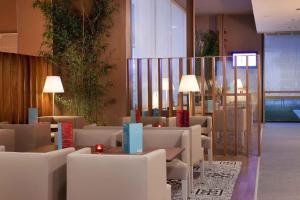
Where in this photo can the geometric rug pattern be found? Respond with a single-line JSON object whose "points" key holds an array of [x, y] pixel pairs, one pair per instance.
{"points": [[218, 184]]}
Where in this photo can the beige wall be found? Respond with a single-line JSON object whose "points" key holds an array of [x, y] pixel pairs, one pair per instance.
{"points": [[119, 46], [240, 34], [30, 28], [18, 16], [8, 16], [237, 32]]}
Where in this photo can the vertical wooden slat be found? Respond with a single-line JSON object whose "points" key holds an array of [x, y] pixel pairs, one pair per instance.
{"points": [[259, 112], [149, 87], [139, 85], [247, 106], [1, 87], [203, 85], [214, 103], [224, 64], [160, 86], [235, 108], [170, 87], [180, 95], [191, 94], [129, 85]]}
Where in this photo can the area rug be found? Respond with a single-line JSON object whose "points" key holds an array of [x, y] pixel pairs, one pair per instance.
{"points": [[220, 179]]}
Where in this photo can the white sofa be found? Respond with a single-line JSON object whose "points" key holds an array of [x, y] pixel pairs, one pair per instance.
{"points": [[2, 148], [33, 176], [114, 177]]}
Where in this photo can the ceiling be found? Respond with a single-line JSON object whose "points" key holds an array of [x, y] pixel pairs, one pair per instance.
{"points": [[275, 16], [211, 7]]}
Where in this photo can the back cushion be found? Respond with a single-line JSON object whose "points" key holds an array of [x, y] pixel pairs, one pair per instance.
{"points": [[161, 138]]}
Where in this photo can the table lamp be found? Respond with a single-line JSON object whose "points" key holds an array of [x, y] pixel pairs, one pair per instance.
{"points": [[188, 84], [53, 85], [239, 85]]}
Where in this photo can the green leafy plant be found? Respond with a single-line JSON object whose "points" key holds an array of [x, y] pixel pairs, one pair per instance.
{"points": [[75, 40], [207, 44]]}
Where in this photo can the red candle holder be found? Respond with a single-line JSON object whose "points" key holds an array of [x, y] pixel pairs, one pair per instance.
{"points": [[99, 148]]}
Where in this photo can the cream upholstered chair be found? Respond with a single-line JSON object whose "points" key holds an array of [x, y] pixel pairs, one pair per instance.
{"points": [[2, 148], [177, 169], [241, 125], [113, 177], [34, 176], [29, 136], [7, 139], [77, 121], [196, 150], [206, 131], [91, 137], [146, 120]]}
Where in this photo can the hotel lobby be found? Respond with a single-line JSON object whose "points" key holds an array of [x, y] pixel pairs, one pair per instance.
{"points": [[149, 99]]}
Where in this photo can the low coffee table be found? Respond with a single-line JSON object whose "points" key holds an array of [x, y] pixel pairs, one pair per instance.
{"points": [[171, 153]]}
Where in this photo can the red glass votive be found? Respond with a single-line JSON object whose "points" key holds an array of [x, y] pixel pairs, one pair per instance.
{"points": [[99, 148]]}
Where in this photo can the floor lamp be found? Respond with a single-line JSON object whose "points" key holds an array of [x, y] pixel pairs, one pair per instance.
{"points": [[53, 85], [188, 84]]}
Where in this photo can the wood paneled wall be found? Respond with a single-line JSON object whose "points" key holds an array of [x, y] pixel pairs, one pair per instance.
{"points": [[22, 80]]}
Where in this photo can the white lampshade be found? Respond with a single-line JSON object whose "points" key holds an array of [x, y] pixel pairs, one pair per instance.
{"points": [[188, 83], [165, 84], [53, 84], [239, 84]]}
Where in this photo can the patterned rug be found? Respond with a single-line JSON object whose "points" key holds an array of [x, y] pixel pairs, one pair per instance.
{"points": [[220, 178]]}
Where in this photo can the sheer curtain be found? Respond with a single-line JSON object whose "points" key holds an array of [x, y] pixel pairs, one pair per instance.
{"points": [[158, 31]]}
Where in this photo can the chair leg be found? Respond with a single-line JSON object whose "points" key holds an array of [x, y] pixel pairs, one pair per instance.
{"points": [[191, 179], [184, 184], [202, 175], [210, 155]]}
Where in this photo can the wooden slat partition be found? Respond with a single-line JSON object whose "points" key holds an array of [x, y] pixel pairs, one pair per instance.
{"points": [[139, 84], [235, 108], [149, 62], [224, 61], [202, 85], [228, 145], [247, 106], [214, 103], [170, 87], [180, 95], [160, 86], [22, 80], [129, 86]]}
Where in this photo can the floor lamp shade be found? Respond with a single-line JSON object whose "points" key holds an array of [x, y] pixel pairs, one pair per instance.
{"points": [[53, 84], [189, 83]]}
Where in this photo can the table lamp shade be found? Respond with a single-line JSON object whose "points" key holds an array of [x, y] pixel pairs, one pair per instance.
{"points": [[239, 84], [53, 84], [189, 83]]}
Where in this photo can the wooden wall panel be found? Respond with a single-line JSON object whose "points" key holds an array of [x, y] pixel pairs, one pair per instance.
{"points": [[22, 80]]}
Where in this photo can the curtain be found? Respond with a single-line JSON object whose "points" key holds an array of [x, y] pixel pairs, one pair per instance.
{"points": [[21, 84]]}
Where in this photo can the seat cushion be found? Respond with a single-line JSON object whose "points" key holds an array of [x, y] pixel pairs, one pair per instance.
{"points": [[176, 169], [206, 143]]}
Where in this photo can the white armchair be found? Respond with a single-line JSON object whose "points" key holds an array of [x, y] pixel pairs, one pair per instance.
{"points": [[177, 169], [91, 137], [206, 131], [112, 177], [196, 151], [7, 139], [146, 120], [33, 176]]}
